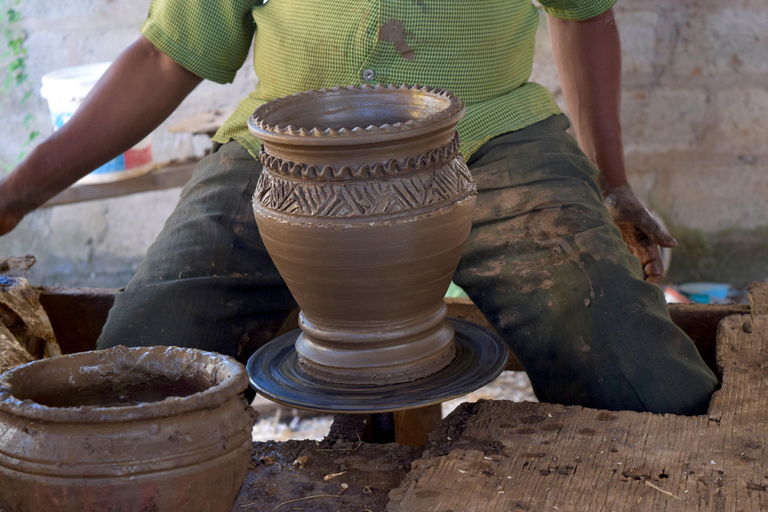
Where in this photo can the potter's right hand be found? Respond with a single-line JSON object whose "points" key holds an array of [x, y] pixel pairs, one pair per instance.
{"points": [[9, 216], [8, 221], [141, 88]]}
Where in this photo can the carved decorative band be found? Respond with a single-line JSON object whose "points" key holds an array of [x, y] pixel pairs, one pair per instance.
{"points": [[260, 118], [343, 199], [332, 173]]}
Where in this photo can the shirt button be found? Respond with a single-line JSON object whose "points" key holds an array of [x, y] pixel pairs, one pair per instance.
{"points": [[368, 74]]}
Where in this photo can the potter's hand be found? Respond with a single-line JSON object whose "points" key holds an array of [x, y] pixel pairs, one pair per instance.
{"points": [[641, 232], [9, 216], [8, 221]]}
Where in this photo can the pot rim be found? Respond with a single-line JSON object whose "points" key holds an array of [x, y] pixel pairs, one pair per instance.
{"points": [[230, 375], [259, 125]]}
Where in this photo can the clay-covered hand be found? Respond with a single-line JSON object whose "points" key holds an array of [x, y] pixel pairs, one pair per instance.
{"points": [[642, 233], [8, 217]]}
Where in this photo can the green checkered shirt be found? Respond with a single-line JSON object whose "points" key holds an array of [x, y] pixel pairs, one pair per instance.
{"points": [[482, 50]]}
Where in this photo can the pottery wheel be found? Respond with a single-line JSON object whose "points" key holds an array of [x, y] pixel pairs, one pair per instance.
{"points": [[275, 372]]}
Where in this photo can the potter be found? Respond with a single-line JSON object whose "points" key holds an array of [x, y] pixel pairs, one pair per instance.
{"points": [[544, 260]]}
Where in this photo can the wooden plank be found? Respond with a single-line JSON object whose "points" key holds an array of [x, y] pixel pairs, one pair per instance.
{"points": [[412, 427], [699, 322], [500, 456], [76, 314], [171, 175], [758, 298]]}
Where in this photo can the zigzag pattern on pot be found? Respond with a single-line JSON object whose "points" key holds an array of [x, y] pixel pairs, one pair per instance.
{"points": [[260, 116], [331, 173], [362, 198]]}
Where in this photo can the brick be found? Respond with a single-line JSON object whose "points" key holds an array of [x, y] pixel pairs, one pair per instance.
{"points": [[659, 120], [133, 222], [726, 41], [714, 198], [63, 13], [92, 243], [46, 50], [95, 46], [743, 114], [638, 40], [643, 183]]}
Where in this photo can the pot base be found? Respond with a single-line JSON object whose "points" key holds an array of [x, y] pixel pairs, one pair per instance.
{"points": [[275, 372]]}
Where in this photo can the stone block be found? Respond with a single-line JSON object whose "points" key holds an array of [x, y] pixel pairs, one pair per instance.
{"points": [[714, 198], [743, 120], [47, 50], [638, 40], [96, 243], [724, 41], [642, 182], [13, 137], [96, 46], [85, 12], [133, 222], [660, 120]]}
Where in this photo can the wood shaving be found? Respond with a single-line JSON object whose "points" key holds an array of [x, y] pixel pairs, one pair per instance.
{"points": [[652, 486]]}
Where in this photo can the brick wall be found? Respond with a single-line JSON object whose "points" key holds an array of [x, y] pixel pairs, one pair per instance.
{"points": [[99, 243], [695, 124]]}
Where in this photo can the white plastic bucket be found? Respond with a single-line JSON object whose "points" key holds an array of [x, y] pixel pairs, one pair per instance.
{"points": [[65, 89]]}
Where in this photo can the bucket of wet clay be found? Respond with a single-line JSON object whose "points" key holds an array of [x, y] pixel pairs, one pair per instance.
{"points": [[125, 429], [65, 89]]}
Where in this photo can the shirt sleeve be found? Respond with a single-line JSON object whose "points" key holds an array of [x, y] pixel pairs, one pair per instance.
{"points": [[209, 38], [576, 10]]}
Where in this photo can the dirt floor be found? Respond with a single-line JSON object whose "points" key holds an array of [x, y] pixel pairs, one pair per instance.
{"points": [[336, 474]]}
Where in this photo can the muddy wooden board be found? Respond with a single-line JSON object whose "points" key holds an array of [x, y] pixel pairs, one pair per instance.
{"points": [[502, 456]]}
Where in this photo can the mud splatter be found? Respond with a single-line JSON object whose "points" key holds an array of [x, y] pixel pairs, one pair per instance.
{"points": [[394, 31]]}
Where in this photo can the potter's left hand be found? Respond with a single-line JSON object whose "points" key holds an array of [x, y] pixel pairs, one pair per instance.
{"points": [[642, 233]]}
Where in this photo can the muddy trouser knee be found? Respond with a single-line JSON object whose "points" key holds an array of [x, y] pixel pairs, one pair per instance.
{"points": [[550, 271], [207, 281]]}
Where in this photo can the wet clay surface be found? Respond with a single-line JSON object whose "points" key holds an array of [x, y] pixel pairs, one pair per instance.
{"points": [[124, 429], [116, 394], [340, 473]]}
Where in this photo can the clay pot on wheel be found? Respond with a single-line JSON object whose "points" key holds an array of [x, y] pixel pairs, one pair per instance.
{"points": [[124, 430], [365, 204]]}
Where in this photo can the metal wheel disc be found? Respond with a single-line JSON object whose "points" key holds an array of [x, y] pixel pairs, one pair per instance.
{"points": [[275, 372]]}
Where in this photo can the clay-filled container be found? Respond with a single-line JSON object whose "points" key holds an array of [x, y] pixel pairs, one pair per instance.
{"points": [[124, 430], [365, 204]]}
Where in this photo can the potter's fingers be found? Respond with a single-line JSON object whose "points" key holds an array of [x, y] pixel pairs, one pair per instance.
{"points": [[7, 223], [653, 272], [655, 231], [653, 265]]}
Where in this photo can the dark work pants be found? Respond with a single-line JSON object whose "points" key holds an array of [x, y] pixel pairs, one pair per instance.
{"points": [[543, 262]]}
